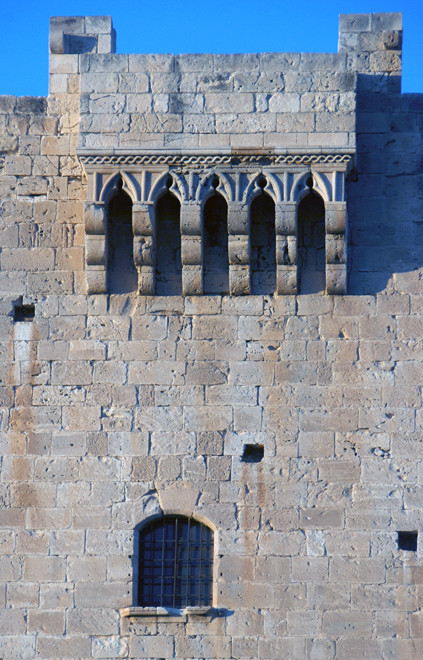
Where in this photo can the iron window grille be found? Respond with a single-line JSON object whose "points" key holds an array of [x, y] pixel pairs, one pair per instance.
{"points": [[176, 563]]}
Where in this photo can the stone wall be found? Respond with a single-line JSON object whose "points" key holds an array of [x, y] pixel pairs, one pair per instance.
{"points": [[119, 407]]}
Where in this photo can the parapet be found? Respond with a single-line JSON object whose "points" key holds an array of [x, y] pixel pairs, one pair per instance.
{"points": [[73, 35], [372, 42]]}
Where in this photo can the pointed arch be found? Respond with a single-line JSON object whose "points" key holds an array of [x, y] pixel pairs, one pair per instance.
{"points": [[301, 186], [111, 187], [121, 272], [311, 237], [168, 244], [262, 243], [215, 241], [254, 188], [168, 181], [214, 182]]}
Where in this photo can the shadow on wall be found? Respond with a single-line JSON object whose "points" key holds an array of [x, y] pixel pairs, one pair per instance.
{"points": [[385, 202], [122, 274], [262, 243], [168, 246]]}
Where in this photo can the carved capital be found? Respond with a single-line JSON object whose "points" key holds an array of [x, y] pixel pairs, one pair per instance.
{"points": [[95, 221]]}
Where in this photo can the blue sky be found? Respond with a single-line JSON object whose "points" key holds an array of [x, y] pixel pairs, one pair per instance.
{"points": [[181, 26]]}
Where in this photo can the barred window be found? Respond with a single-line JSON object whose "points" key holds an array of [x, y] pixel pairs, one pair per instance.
{"points": [[176, 563]]}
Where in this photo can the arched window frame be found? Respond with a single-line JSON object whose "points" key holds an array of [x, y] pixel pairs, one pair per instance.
{"points": [[143, 174], [307, 191], [168, 189], [255, 191], [119, 188], [177, 519], [214, 185]]}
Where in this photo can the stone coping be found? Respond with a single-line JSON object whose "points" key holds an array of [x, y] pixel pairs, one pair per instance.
{"points": [[120, 151], [168, 611]]}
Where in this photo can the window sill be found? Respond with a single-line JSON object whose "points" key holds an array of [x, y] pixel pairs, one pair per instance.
{"points": [[168, 611]]}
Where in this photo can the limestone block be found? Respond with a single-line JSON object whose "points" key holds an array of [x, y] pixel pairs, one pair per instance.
{"points": [[238, 248], [335, 217], [214, 418], [96, 594], [55, 146], [238, 219], [44, 569], [221, 102], [25, 643], [58, 83], [92, 621], [10, 568], [355, 22], [151, 646], [204, 373], [211, 327], [322, 518], [62, 647], [386, 21], [239, 280], [236, 62], [286, 102], [104, 123], [159, 418], [151, 62], [156, 122], [385, 61], [49, 622], [135, 83], [95, 250], [335, 249], [22, 595], [141, 220], [143, 468], [285, 218], [336, 279], [358, 625], [146, 283], [286, 250], [143, 103], [143, 251], [245, 123], [286, 277], [96, 279], [106, 647], [191, 251], [93, 82]]}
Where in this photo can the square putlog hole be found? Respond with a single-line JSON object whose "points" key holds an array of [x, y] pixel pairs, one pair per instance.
{"points": [[407, 541], [23, 313], [252, 453]]}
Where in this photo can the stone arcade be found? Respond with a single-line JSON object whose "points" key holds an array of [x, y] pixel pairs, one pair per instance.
{"points": [[212, 359]]}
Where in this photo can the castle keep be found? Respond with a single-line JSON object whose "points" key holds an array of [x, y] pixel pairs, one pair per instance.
{"points": [[212, 360]]}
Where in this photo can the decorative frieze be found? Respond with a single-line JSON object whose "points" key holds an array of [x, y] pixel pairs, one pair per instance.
{"points": [[238, 177]]}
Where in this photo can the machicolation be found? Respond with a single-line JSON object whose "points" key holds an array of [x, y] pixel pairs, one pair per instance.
{"points": [[212, 353]]}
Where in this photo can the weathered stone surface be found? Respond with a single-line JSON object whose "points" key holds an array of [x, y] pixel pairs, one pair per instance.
{"points": [[288, 422]]}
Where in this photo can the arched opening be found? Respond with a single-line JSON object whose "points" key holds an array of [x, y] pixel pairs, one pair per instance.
{"points": [[168, 246], [311, 259], [262, 243], [215, 251], [175, 563], [121, 271]]}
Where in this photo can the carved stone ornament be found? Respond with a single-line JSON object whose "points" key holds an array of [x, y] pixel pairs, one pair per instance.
{"points": [[236, 175]]}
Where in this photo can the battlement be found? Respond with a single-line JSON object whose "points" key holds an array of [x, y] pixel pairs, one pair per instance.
{"points": [[72, 35]]}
